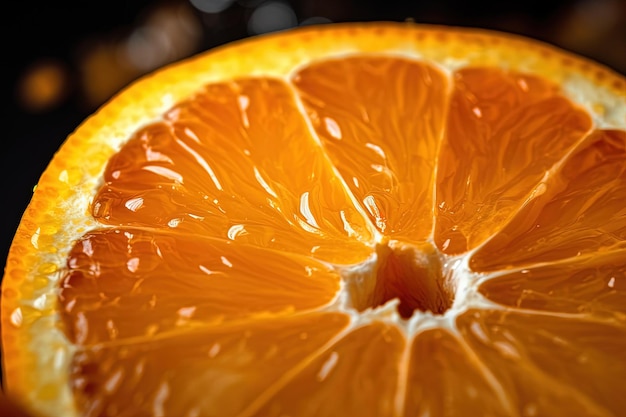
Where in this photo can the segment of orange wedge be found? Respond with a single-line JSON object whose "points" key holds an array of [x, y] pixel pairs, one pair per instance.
{"points": [[349, 220]]}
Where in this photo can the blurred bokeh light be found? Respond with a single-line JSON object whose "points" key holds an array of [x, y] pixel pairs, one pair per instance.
{"points": [[161, 32], [271, 16], [43, 85], [211, 6], [165, 34]]}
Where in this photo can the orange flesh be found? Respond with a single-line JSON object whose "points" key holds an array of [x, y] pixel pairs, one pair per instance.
{"points": [[581, 212], [231, 216], [525, 352], [175, 281], [380, 121], [232, 365], [437, 358], [504, 131]]}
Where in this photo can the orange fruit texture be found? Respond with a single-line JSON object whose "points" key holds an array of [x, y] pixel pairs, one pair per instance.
{"points": [[381, 219]]}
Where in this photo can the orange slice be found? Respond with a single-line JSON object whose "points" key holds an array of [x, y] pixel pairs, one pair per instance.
{"points": [[360, 219]]}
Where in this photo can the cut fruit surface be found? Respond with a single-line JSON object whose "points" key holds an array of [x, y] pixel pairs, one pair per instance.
{"points": [[504, 132], [564, 364], [180, 281], [379, 220], [343, 98], [580, 210], [231, 364]]}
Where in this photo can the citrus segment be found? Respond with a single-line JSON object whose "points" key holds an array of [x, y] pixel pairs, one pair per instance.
{"points": [[550, 364], [594, 285], [166, 281], [213, 371], [357, 376], [446, 379], [380, 120], [579, 211], [504, 131], [236, 161]]}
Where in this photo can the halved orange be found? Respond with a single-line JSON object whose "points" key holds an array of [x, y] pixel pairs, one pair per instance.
{"points": [[349, 220]]}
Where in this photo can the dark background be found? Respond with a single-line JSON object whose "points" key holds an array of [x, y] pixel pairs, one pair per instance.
{"points": [[62, 60]]}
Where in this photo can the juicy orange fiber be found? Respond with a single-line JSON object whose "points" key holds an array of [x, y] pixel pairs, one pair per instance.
{"points": [[367, 233]]}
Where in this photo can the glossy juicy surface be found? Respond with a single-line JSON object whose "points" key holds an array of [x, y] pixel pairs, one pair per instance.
{"points": [[216, 284]]}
